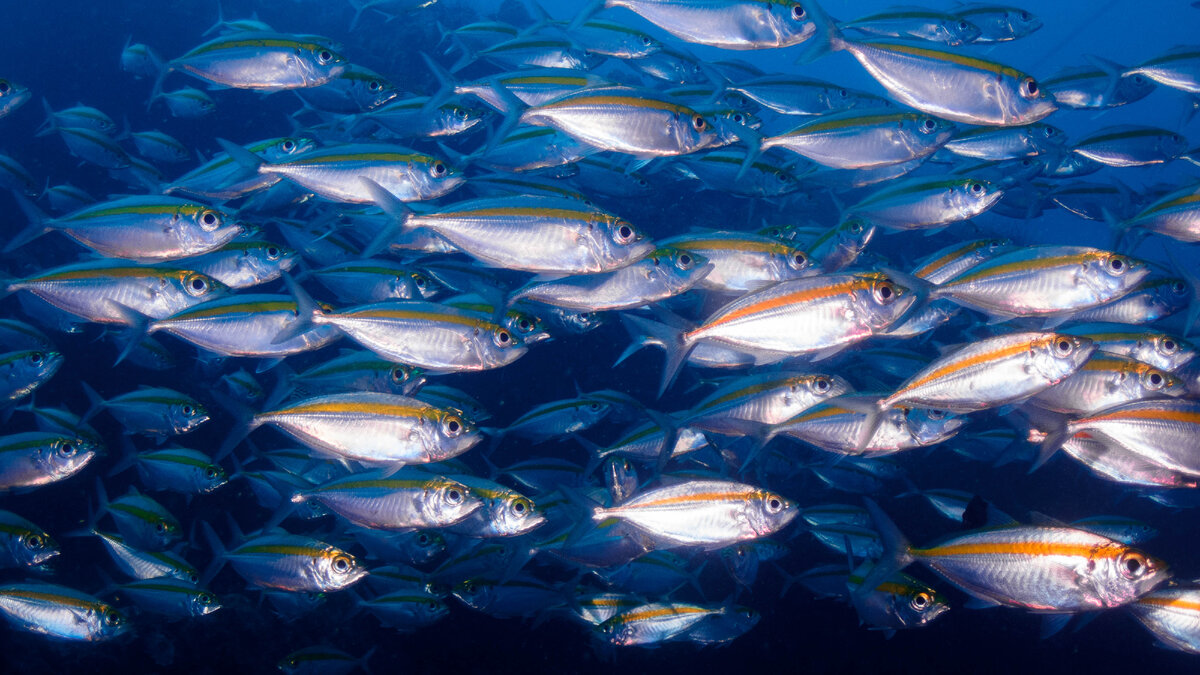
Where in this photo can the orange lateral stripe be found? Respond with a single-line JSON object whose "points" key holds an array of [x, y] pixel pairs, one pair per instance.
{"points": [[955, 366], [352, 407], [986, 270], [1029, 548], [1184, 416], [686, 499], [806, 295], [1171, 603]]}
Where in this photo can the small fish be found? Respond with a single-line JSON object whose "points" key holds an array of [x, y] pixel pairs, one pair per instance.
{"points": [[737, 24], [710, 514], [153, 411], [401, 502], [1042, 568], [261, 61], [23, 544], [35, 458], [187, 103], [947, 84], [288, 562], [374, 428], [60, 612]]}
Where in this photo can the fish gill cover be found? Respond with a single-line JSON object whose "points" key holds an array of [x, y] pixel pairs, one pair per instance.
{"points": [[630, 335]]}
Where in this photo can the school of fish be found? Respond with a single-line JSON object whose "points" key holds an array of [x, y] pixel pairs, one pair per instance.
{"points": [[346, 310]]}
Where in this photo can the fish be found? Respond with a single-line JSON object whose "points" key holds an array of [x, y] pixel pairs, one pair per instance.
{"points": [[59, 612]]}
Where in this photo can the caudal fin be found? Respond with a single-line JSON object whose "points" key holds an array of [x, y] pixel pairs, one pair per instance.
{"points": [[672, 340]]}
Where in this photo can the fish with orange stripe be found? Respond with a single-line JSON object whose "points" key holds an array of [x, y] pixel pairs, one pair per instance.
{"points": [[708, 514], [1044, 568], [374, 429], [1163, 432], [1172, 615], [835, 309]]}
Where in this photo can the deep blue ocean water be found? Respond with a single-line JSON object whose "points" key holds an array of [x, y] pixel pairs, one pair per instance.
{"points": [[67, 52]]}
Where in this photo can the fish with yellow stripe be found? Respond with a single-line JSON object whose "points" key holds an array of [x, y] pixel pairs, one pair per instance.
{"points": [[59, 612], [372, 428], [145, 228], [1044, 568], [708, 514]]}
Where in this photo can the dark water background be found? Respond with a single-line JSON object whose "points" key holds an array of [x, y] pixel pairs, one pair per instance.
{"points": [[68, 52]]}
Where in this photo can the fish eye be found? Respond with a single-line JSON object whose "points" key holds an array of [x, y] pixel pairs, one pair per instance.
{"points": [[36, 358], [1138, 79], [34, 542], [1029, 88], [208, 219], [111, 618], [1169, 346], [647, 41], [205, 599], [272, 253], [374, 85], [198, 284], [439, 169], [698, 123], [799, 260], [341, 564], [519, 506], [325, 56], [453, 426], [399, 374], [774, 504], [856, 227], [288, 146], [1178, 287], [420, 281], [737, 117], [1155, 378], [594, 407], [160, 527], [293, 663], [929, 124], [624, 234], [454, 495], [525, 325], [936, 414], [192, 578], [66, 449], [885, 293], [502, 337], [685, 261], [423, 539], [1116, 265], [1025, 16], [798, 12], [977, 188], [844, 93], [920, 601], [963, 25], [1134, 565], [4, 87], [1064, 346], [822, 384], [210, 473]]}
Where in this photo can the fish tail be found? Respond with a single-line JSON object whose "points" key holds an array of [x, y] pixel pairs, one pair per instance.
{"points": [[218, 550], [445, 84], [594, 458], [828, 37], [139, 328], [49, 126], [220, 21], [127, 459], [513, 110], [754, 148], [306, 309], [359, 6], [672, 340], [897, 552], [249, 161], [96, 404], [392, 206], [586, 13], [37, 224], [468, 57]]}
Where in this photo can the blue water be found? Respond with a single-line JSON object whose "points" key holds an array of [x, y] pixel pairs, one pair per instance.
{"points": [[68, 51]]}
